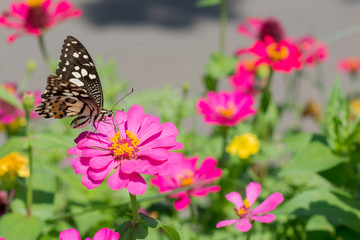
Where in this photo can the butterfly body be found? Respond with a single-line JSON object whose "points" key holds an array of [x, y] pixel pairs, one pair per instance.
{"points": [[76, 90]]}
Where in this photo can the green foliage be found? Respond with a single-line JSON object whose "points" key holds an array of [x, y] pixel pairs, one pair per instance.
{"points": [[208, 3]]}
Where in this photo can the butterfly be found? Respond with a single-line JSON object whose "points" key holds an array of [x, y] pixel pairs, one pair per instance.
{"points": [[76, 90]]}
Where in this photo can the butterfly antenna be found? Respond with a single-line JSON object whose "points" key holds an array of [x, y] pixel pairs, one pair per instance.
{"points": [[131, 91]]}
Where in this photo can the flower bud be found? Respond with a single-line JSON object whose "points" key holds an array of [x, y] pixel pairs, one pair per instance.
{"points": [[28, 101]]}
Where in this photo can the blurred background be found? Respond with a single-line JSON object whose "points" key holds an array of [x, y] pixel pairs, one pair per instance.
{"points": [[159, 42]]}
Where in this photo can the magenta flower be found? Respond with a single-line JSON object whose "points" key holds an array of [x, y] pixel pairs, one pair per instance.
{"points": [[259, 29], [245, 211], [185, 173], [132, 145], [281, 56], [10, 113], [226, 109], [349, 65], [312, 51], [102, 234], [34, 16]]}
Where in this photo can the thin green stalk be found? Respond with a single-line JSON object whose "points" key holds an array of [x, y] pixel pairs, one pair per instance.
{"points": [[248, 234], [134, 208], [29, 195], [44, 52], [194, 218], [223, 22], [9, 200]]}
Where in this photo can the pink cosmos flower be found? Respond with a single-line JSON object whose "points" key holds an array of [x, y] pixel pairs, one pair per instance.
{"points": [[257, 28], [185, 173], [10, 113], [349, 65], [132, 145], [281, 56], [245, 211], [312, 50], [34, 16], [226, 108], [102, 234]]}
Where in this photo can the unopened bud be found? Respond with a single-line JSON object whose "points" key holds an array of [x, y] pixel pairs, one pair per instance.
{"points": [[28, 101]]}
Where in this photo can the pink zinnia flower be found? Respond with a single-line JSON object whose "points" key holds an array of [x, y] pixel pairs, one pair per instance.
{"points": [[10, 113], [312, 51], [281, 56], [257, 28], [226, 109], [102, 234], [132, 145], [185, 173], [245, 211], [349, 65], [34, 16]]}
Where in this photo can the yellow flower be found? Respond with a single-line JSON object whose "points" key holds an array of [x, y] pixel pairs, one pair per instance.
{"points": [[354, 107], [244, 145], [12, 165]]}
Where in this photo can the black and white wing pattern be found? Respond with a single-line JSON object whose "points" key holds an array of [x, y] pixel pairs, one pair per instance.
{"points": [[77, 66], [76, 90]]}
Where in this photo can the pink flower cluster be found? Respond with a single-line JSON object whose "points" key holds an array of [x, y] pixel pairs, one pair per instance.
{"points": [[10, 113], [349, 65], [226, 108], [246, 212], [134, 144], [185, 173], [102, 234], [271, 46], [34, 16]]}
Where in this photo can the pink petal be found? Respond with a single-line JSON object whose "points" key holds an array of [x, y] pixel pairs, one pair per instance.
{"points": [[164, 184], [244, 225], [135, 118], [118, 180], [106, 234], [70, 234], [106, 127], [100, 162], [264, 218], [155, 154], [269, 204], [226, 223], [205, 190], [20, 9], [136, 185], [207, 166], [235, 198], [81, 165], [101, 174], [150, 130], [253, 190], [75, 151], [169, 129], [93, 152], [89, 183], [133, 165], [182, 202]]}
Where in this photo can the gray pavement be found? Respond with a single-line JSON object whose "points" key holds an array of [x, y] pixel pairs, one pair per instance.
{"points": [[156, 42]]}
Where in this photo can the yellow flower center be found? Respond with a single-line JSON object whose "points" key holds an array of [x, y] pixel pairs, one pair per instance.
{"points": [[186, 178], [244, 146], [34, 3], [13, 165], [244, 209], [227, 112], [276, 53], [124, 148]]}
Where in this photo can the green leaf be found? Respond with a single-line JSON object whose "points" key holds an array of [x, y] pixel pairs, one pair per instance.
{"points": [[298, 141], [336, 206], [9, 98], [14, 144], [154, 223], [207, 3], [314, 158], [130, 231], [15, 226]]}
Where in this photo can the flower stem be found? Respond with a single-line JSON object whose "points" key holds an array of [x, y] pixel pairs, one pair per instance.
{"points": [[194, 218], [29, 195], [9, 200], [223, 21], [44, 52], [248, 234], [134, 208]]}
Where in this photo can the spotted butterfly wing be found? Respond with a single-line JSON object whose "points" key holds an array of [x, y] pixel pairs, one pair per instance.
{"points": [[76, 88]]}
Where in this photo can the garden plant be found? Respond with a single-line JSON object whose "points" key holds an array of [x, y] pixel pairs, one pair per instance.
{"points": [[143, 173]]}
